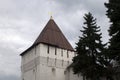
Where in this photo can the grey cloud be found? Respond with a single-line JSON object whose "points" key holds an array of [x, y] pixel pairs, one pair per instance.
{"points": [[10, 59], [21, 21], [20, 24], [70, 8], [96, 6], [9, 77]]}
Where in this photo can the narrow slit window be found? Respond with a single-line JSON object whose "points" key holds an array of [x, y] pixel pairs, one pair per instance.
{"points": [[61, 52], [55, 51], [48, 49], [67, 54], [62, 62], [47, 60]]}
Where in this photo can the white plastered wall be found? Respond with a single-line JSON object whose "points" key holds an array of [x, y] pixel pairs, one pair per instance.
{"points": [[38, 64]]}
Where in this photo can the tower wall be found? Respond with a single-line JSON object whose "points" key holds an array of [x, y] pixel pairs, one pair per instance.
{"points": [[45, 62]]}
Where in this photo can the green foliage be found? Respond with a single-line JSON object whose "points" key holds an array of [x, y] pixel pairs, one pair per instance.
{"points": [[90, 60], [113, 52], [93, 60], [113, 14]]}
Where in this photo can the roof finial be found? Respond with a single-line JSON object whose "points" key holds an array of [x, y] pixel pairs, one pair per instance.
{"points": [[50, 13], [51, 17]]}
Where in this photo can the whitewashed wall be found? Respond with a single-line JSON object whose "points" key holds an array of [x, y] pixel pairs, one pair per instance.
{"points": [[38, 64], [43, 52]]}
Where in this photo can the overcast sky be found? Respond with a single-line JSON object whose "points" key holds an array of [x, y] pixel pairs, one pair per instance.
{"points": [[21, 21]]}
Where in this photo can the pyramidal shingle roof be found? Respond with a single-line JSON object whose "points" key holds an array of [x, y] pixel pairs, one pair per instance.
{"points": [[52, 35]]}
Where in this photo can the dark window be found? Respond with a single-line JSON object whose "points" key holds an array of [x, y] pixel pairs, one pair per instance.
{"points": [[62, 62], [61, 52], [53, 71], [47, 60], [48, 49], [55, 51], [64, 72], [67, 54]]}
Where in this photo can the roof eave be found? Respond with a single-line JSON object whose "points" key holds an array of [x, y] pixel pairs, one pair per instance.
{"points": [[24, 52]]}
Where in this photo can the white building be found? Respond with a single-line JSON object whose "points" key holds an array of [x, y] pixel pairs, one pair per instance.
{"points": [[49, 56]]}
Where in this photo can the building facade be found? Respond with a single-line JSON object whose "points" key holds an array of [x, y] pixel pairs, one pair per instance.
{"points": [[49, 56]]}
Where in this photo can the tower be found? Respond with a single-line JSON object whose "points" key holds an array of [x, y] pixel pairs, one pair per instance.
{"points": [[48, 57]]}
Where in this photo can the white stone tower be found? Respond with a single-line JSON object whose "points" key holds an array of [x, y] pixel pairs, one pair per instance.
{"points": [[48, 57]]}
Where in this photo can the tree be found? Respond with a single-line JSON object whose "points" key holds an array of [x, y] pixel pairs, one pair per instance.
{"points": [[90, 58], [113, 14]]}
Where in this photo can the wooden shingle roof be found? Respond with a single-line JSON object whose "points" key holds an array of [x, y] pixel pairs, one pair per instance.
{"points": [[52, 35]]}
